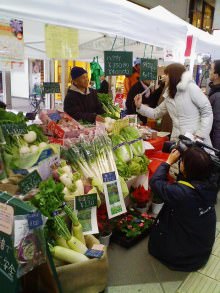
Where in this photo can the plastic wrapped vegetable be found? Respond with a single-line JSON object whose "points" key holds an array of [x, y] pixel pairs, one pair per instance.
{"points": [[121, 149], [132, 136]]}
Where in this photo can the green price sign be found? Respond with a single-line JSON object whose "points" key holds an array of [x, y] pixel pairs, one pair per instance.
{"points": [[85, 201], [31, 181], [14, 128], [51, 87], [118, 63], [148, 69]]}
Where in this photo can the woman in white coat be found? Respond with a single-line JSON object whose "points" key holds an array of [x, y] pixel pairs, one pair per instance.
{"points": [[189, 109]]}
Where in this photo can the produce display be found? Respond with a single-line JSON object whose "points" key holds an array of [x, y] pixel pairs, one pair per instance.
{"points": [[54, 163], [110, 109], [129, 153]]}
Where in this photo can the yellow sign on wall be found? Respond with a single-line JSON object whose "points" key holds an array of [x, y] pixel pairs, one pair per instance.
{"points": [[61, 42]]}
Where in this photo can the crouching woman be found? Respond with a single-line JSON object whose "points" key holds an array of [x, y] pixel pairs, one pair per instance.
{"points": [[184, 232]]}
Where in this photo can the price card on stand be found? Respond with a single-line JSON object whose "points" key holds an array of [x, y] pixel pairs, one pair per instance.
{"points": [[113, 195], [86, 207], [31, 181], [14, 128]]}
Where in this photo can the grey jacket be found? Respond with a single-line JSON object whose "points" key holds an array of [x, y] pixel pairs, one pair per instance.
{"points": [[190, 110]]}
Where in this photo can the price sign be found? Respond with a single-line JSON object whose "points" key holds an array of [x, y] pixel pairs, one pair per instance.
{"points": [[34, 220], [148, 69], [51, 87], [6, 218], [31, 181], [118, 63], [56, 129], [85, 201], [14, 128]]}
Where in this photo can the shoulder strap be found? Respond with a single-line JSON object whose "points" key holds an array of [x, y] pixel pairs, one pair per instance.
{"points": [[186, 183]]}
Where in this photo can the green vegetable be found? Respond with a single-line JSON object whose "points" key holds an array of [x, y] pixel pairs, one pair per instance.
{"points": [[67, 255], [138, 165], [110, 109], [131, 134], [121, 149], [124, 186], [123, 169], [7, 117]]}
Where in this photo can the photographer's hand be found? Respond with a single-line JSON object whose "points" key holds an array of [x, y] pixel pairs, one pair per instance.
{"points": [[173, 157]]}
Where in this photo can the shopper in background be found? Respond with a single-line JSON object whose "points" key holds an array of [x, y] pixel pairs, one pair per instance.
{"points": [[189, 109], [184, 232], [2, 105], [214, 97], [150, 97], [81, 102], [132, 79], [104, 88]]}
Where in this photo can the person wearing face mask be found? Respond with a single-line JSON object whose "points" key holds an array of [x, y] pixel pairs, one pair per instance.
{"points": [[214, 98], [81, 102], [189, 109], [149, 97]]}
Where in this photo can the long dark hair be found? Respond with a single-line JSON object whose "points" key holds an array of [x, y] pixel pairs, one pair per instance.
{"points": [[174, 71]]}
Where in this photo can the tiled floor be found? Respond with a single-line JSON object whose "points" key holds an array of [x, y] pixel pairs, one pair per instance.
{"points": [[135, 271]]}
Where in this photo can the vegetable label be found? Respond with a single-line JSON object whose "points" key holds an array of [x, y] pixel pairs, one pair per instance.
{"points": [[132, 120], [34, 220], [119, 125], [88, 220], [148, 69], [51, 87], [31, 181], [118, 63], [113, 195], [14, 128], [85, 201], [6, 218]]}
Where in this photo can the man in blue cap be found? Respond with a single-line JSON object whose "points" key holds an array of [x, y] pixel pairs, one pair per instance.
{"points": [[81, 102]]}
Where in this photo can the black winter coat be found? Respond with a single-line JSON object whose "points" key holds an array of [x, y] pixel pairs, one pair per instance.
{"points": [[104, 87], [151, 101], [214, 98], [184, 231], [83, 106]]}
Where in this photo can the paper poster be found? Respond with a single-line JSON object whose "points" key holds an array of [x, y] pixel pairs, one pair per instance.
{"points": [[11, 40], [61, 42], [113, 195], [88, 220], [36, 68]]}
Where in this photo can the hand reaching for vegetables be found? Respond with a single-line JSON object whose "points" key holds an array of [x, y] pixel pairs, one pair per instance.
{"points": [[138, 100], [173, 157]]}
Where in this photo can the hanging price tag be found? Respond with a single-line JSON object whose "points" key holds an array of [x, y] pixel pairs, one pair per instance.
{"points": [[6, 218]]}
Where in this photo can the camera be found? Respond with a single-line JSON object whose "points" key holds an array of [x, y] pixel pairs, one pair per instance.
{"points": [[184, 143]]}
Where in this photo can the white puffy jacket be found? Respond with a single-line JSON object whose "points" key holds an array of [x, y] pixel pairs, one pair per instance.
{"points": [[190, 110]]}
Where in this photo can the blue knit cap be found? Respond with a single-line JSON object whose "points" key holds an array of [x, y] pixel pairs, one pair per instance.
{"points": [[77, 72]]}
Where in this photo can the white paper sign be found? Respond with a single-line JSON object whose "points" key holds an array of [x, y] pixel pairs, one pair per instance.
{"points": [[148, 146], [113, 195], [6, 218]]}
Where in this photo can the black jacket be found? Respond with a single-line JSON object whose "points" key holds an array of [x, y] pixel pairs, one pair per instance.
{"points": [[184, 232], [104, 87], [83, 106], [214, 98], [151, 101]]}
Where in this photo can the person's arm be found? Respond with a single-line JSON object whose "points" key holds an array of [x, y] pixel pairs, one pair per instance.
{"points": [[159, 182], [149, 112], [203, 104]]}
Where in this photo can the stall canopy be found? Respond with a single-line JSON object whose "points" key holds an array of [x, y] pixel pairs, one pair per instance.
{"points": [[104, 19], [205, 42]]}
